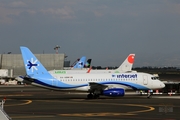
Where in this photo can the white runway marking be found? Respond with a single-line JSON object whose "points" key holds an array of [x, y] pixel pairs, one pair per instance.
{"points": [[170, 97]]}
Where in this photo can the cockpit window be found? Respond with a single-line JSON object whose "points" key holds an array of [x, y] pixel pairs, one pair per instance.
{"points": [[154, 78]]}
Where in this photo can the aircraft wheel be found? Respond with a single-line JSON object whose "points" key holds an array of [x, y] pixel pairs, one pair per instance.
{"points": [[90, 96], [96, 96]]}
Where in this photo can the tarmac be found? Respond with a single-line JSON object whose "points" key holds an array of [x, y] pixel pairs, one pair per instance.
{"points": [[32, 103]]}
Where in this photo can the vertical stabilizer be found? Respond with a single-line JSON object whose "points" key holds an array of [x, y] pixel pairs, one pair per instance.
{"points": [[80, 63], [127, 64], [88, 63], [32, 64]]}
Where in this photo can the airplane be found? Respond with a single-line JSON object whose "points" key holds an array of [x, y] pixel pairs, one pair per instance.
{"points": [[126, 66], [108, 84], [88, 63], [79, 64]]}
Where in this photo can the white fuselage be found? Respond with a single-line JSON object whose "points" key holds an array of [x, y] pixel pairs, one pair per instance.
{"points": [[80, 82]]}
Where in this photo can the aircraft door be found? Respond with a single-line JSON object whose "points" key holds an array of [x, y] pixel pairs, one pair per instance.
{"points": [[145, 80]]}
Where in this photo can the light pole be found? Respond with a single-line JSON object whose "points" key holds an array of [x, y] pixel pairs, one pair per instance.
{"points": [[56, 48]]}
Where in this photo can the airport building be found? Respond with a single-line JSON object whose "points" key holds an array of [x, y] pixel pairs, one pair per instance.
{"points": [[14, 62]]}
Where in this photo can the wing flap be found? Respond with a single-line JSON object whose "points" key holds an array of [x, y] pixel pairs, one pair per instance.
{"points": [[96, 86]]}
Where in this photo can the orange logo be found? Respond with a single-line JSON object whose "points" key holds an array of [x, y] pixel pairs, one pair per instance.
{"points": [[131, 59]]}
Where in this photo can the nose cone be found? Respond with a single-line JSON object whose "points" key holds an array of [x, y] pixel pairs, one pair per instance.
{"points": [[162, 85]]}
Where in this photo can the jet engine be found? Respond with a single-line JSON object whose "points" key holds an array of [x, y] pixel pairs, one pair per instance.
{"points": [[114, 92]]}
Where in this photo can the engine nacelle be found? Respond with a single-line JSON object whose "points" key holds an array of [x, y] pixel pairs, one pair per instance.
{"points": [[114, 92]]}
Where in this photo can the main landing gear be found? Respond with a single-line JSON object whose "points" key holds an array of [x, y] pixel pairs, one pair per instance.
{"points": [[92, 96]]}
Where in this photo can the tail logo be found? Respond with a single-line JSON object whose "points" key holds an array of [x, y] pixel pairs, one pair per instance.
{"points": [[131, 59], [80, 64], [32, 64]]}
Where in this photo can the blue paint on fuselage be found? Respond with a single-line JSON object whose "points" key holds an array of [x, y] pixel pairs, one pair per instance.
{"points": [[60, 85]]}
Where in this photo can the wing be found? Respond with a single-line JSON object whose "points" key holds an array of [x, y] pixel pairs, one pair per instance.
{"points": [[96, 87]]}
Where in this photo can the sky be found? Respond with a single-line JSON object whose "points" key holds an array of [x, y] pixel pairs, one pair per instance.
{"points": [[106, 31]]}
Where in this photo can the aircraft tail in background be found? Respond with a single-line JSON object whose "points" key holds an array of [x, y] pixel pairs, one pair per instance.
{"points": [[80, 63], [126, 66], [88, 63]]}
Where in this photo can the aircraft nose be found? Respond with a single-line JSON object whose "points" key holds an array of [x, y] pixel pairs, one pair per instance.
{"points": [[162, 85]]}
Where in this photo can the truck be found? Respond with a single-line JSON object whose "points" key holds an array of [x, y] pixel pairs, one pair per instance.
{"points": [[3, 75], [6, 76]]}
